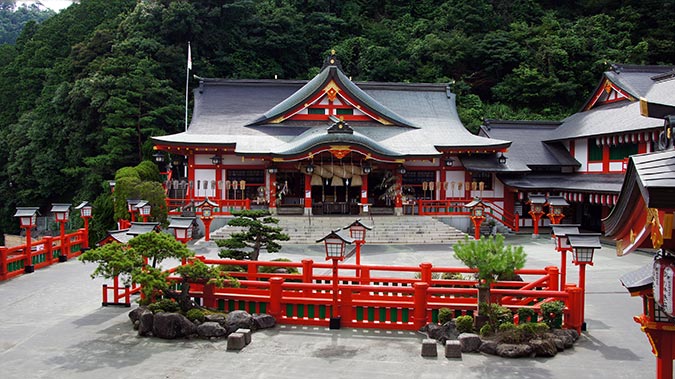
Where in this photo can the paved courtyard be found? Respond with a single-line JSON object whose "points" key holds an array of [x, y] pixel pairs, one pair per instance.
{"points": [[52, 325]]}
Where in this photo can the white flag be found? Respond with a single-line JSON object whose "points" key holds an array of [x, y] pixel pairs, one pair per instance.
{"points": [[189, 63]]}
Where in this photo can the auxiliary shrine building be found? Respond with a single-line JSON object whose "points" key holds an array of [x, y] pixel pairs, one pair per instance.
{"points": [[334, 146]]}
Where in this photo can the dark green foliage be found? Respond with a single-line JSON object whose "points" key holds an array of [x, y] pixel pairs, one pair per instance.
{"points": [[271, 269], [444, 315], [496, 314], [526, 315], [262, 234], [195, 314], [140, 183], [486, 330], [464, 324], [163, 305], [552, 313], [13, 19], [521, 333], [490, 257]]}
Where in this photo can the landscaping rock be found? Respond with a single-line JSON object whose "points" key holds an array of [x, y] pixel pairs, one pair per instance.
{"points": [[135, 314], [543, 347], [469, 342], [488, 347], [216, 317], [447, 331], [263, 321], [559, 344], [238, 319], [566, 337], [145, 323], [508, 350], [172, 325], [210, 329]]}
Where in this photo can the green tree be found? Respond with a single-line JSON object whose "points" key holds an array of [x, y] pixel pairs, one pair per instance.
{"points": [[490, 257], [262, 234]]}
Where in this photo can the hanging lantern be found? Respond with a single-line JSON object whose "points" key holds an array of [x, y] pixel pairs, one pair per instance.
{"points": [[425, 186], [228, 185], [446, 185], [431, 186], [242, 184], [235, 185], [357, 181]]}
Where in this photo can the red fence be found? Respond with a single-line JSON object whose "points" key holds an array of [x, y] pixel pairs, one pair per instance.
{"points": [[43, 253], [383, 297], [458, 208], [225, 206]]}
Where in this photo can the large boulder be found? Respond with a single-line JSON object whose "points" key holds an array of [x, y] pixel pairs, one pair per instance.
{"points": [[135, 314], [441, 333], [543, 347], [263, 321], [238, 319], [172, 325], [216, 317], [489, 347], [210, 329], [469, 342], [508, 350], [145, 323]]}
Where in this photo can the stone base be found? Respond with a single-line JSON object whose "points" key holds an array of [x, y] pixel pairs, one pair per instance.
{"points": [[453, 349], [236, 341], [246, 333], [429, 348], [29, 269], [63, 258]]}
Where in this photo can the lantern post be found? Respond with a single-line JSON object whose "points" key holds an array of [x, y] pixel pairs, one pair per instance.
{"points": [[85, 213], [61, 215], [207, 206], [556, 204], [477, 215], [144, 209], [357, 230], [131, 208], [182, 230], [335, 249], [28, 219], [583, 246], [536, 202], [560, 233]]}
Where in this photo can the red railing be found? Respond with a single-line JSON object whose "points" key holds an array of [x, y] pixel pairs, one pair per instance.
{"points": [[457, 208], [43, 253], [405, 297]]}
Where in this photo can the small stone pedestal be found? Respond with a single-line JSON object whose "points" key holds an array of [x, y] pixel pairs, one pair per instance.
{"points": [[429, 348], [453, 349], [236, 341]]}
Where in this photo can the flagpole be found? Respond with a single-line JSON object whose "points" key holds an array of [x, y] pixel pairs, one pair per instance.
{"points": [[187, 84]]}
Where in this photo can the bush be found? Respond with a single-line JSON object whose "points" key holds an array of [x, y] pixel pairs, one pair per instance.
{"points": [[507, 326], [195, 314], [444, 315], [526, 315], [464, 324], [452, 276], [271, 269], [552, 313], [163, 305], [534, 329], [486, 330], [496, 314]]}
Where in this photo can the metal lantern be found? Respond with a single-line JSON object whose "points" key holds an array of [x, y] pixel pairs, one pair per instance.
{"points": [[272, 170], [561, 231], [502, 159], [357, 230], [335, 243], [61, 212], [216, 159], [309, 169], [158, 157], [182, 227], [27, 216], [367, 169], [401, 170], [144, 208], [583, 246], [85, 209]]}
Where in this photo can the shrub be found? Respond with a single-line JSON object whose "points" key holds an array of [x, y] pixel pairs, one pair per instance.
{"points": [[464, 324], [533, 329], [486, 330], [444, 315], [552, 313], [507, 326], [271, 269], [496, 314], [195, 314], [163, 305], [526, 315], [490, 257], [452, 276]]}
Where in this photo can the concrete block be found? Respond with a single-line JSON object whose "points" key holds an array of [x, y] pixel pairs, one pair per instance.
{"points": [[429, 348], [246, 333], [236, 341], [453, 349]]}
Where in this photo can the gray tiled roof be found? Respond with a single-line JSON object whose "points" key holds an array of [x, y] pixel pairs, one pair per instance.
{"points": [[650, 82], [602, 183], [527, 149], [224, 109]]}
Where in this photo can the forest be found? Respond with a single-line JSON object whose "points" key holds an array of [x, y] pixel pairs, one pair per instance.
{"points": [[83, 90]]}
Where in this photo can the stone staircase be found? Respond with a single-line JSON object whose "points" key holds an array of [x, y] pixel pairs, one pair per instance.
{"points": [[386, 229]]}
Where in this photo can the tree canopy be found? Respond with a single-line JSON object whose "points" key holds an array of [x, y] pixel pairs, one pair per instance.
{"points": [[84, 90]]}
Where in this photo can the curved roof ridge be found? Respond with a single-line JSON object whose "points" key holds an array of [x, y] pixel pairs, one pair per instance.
{"points": [[317, 137]]}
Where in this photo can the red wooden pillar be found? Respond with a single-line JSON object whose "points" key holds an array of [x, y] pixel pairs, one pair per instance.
{"points": [[209, 296], [346, 312], [425, 272], [275, 297], [3, 263], [49, 249], [308, 194], [420, 311], [398, 200], [28, 254], [442, 189], [364, 189], [553, 275]]}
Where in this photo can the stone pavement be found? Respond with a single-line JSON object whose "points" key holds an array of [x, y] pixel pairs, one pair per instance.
{"points": [[52, 325]]}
